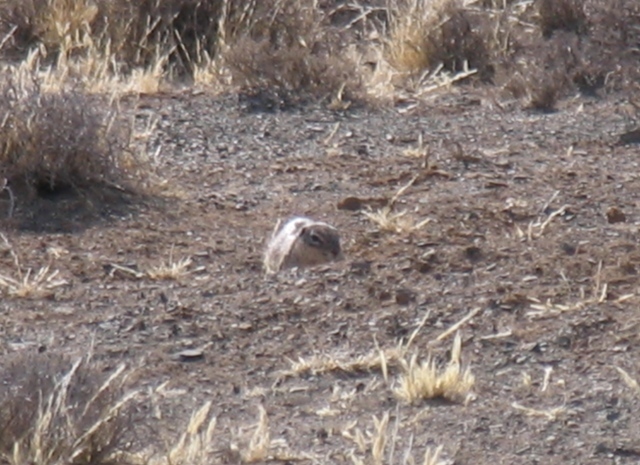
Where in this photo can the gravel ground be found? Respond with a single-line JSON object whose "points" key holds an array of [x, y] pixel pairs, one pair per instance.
{"points": [[532, 226]]}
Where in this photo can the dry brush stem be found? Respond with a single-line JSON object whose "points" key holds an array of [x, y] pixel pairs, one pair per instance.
{"points": [[380, 438], [629, 380], [193, 446], [376, 360], [170, 270], [260, 442], [551, 414], [598, 296], [4, 186], [536, 229], [386, 219], [456, 326], [381, 444]]}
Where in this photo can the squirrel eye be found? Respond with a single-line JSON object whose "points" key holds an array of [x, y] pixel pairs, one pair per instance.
{"points": [[315, 238]]}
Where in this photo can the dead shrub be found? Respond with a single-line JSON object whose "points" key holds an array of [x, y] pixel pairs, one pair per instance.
{"points": [[55, 410], [566, 15], [67, 140], [291, 53], [589, 79], [538, 89], [424, 35], [548, 72], [544, 92]]}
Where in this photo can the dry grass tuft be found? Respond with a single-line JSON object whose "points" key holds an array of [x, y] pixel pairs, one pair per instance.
{"points": [[173, 270], [170, 270], [55, 411], [26, 284], [199, 446], [426, 381]]}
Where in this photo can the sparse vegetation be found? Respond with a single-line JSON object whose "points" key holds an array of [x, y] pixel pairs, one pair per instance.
{"points": [[78, 77], [290, 51]]}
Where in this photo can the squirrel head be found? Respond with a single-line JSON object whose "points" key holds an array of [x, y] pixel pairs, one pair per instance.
{"points": [[322, 238]]}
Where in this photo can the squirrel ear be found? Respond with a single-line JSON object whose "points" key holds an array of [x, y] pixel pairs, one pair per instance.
{"points": [[303, 230]]}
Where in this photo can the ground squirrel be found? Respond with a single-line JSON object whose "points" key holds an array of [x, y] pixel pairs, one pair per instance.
{"points": [[302, 242]]}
